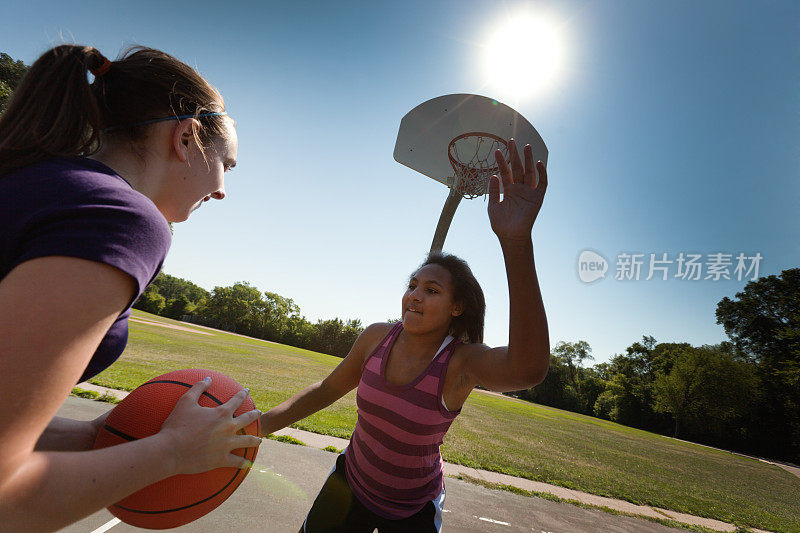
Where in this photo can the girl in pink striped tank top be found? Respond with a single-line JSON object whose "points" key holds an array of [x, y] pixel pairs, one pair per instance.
{"points": [[414, 376]]}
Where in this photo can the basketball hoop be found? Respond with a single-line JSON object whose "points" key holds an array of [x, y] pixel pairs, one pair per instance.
{"points": [[472, 158], [471, 128]]}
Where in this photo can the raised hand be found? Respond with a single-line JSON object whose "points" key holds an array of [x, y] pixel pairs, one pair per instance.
{"points": [[513, 217]]}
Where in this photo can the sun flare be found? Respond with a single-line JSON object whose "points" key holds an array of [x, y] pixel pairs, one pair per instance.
{"points": [[523, 56]]}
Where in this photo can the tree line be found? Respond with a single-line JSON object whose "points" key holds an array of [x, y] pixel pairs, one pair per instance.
{"points": [[742, 394], [242, 308], [11, 73]]}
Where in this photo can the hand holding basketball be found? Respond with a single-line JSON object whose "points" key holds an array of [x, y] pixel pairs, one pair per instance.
{"points": [[203, 437], [513, 217], [207, 448]]}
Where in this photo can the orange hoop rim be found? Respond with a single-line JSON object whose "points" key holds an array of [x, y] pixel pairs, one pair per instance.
{"points": [[469, 180], [454, 161]]}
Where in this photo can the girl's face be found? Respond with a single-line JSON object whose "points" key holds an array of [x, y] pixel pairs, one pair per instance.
{"points": [[205, 179], [428, 302]]}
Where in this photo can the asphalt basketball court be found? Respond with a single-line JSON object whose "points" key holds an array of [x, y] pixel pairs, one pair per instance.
{"points": [[285, 479]]}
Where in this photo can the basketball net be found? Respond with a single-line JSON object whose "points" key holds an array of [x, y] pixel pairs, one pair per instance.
{"points": [[472, 158]]}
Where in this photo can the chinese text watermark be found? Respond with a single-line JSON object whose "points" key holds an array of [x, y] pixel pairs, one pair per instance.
{"points": [[592, 266]]}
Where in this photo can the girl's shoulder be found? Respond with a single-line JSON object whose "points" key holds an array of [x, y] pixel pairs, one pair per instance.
{"points": [[370, 338], [375, 333], [80, 208], [380, 326]]}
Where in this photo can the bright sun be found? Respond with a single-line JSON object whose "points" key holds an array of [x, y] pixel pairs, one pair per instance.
{"points": [[523, 56]]}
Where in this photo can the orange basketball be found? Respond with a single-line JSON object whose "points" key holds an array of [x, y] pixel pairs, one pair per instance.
{"points": [[179, 499]]}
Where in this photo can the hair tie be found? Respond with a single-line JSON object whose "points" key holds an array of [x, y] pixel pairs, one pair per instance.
{"points": [[102, 69]]}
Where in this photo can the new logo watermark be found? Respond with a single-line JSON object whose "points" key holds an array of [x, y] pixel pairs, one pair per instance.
{"points": [[592, 266]]}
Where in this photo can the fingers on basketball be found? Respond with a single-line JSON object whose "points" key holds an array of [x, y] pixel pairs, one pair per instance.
{"points": [[196, 390], [245, 419], [236, 400], [245, 441], [237, 461]]}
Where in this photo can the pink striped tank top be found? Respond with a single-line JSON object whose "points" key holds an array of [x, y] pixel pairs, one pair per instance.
{"points": [[393, 463]]}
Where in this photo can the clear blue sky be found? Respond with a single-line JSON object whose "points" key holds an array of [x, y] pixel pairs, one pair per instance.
{"points": [[672, 127]]}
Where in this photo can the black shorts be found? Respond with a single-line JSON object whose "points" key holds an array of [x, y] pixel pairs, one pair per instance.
{"points": [[337, 509]]}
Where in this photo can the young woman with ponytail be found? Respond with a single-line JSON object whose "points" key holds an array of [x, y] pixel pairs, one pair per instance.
{"points": [[90, 176]]}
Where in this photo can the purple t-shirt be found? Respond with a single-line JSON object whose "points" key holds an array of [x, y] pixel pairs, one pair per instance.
{"points": [[78, 207]]}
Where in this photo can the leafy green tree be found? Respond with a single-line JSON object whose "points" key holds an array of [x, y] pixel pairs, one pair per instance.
{"points": [[763, 321], [573, 354], [181, 297], [603, 371], [326, 335], [605, 404], [627, 397], [150, 301], [279, 310], [352, 329], [568, 384], [556, 390], [704, 392], [178, 307], [335, 337], [11, 72], [5, 94], [629, 390], [591, 385], [676, 393], [237, 308], [171, 287], [299, 332]]}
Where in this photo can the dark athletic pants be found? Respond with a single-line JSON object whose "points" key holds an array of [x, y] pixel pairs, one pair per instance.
{"points": [[337, 510]]}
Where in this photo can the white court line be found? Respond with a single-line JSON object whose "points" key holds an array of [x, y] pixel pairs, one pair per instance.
{"points": [[493, 521], [105, 527]]}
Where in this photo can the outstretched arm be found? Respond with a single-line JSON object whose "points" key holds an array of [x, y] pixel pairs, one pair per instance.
{"points": [[54, 311], [343, 379], [524, 362]]}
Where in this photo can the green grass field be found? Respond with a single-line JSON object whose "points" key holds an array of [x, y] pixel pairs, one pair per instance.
{"points": [[495, 433]]}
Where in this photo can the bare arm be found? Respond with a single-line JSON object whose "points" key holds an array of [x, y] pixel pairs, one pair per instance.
{"points": [[524, 362], [65, 434], [54, 311], [343, 379]]}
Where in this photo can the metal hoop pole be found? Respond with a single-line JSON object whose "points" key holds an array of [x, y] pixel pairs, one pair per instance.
{"points": [[449, 209]]}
